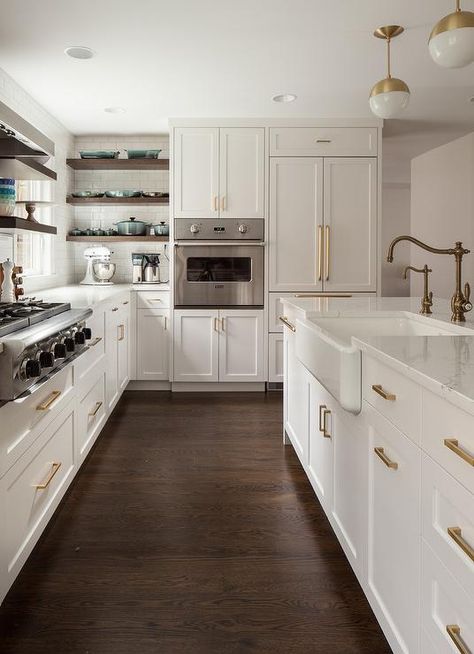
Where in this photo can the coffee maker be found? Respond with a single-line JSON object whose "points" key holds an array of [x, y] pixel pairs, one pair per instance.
{"points": [[145, 268]]}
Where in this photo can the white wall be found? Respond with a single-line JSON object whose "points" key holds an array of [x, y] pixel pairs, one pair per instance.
{"points": [[62, 215], [442, 204], [395, 221]]}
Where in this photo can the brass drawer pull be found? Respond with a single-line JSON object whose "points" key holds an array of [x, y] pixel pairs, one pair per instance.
{"points": [[115, 309], [155, 299], [380, 452], [97, 407], [321, 407], [286, 322], [126, 302], [44, 406], [453, 445], [326, 413], [456, 535], [383, 393], [122, 332], [323, 295], [44, 484], [95, 341], [216, 325], [323, 140], [454, 632]]}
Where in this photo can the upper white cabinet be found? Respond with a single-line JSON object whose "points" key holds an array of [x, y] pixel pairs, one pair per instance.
{"points": [[350, 224], [296, 224], [196, 172], [219, 173], [323, 141]]}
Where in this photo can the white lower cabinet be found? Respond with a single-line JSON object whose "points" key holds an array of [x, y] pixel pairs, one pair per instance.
{"points": [[117, 349], [218, 345], [91, 414], [393, 570], [295, 398], [320, 444], [275, 358], [152, 344]]}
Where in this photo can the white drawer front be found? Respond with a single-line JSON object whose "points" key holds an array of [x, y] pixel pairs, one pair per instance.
{"points": [[32, 488], [153, 299], [323, 141], [402, 402], [445, 604], [275, 358], [91, 415], [24, 419], [448, 437], [84, 365]]}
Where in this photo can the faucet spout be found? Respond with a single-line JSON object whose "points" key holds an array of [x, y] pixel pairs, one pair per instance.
{"points": [[420, 244]]}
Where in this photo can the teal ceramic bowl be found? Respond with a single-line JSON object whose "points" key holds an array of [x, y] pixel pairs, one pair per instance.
{"points": [[99, 154], [123, 194], [143, 154], [88, 194]]}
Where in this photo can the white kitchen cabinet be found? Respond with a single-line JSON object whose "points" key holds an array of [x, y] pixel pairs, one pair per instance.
{"points": [[241, 346], [91, 413], [123, 350], [296, 224], [320, 443], [117, 349], [196, 172], [218, 345], [196, 345], [242, 172], [275, 358], [219, 173], [350, 224], [152, 344], [323, 141], [394, 540]]}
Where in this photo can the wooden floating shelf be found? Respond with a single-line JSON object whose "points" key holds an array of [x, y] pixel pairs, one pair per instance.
{"points": [[13, 222], [104, 200], [119, 164], [117, 239]]}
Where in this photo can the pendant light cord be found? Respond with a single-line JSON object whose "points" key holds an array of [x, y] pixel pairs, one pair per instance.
{"points": [[389, 70]]}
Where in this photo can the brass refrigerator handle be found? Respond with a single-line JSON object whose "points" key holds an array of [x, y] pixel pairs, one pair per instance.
{"points": [[380, 452], [320, 252], [454, 631], [327, 251], [453, 445], [55, 465], [456, 535]]}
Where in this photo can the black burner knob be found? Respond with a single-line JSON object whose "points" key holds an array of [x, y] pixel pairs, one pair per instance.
{"points": [[60, 351], [69, 343], [46, 359], [80, 338], [32, 368], [87, 331]]}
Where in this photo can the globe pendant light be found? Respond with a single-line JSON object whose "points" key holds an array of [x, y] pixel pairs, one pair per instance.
{"points": [[451, 42], [390, 96]]}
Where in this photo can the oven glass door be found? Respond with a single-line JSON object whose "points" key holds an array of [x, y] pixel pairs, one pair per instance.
{"points": [[219, 269]]}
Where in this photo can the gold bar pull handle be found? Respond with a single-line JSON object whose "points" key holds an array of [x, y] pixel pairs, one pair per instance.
{"points": [[380, 452], [44, 406], [320, 252], [326, 413], [453, 445], [44, 484], [286, 322], [223, 324], [391, 397], [223, 198], [166, 324], [214, 201], [126, 302], [454, 631], [456, 535], [328, 251], [95, 341], [323, 140], [321, 407], [94, 412], [122, 332], [216, 326]]}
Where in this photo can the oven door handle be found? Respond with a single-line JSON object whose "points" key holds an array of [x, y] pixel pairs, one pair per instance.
{"points": [[208, 243]]}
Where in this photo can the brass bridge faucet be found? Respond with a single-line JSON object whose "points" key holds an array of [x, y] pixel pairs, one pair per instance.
{"points": [[427, 301], [460, 301]]}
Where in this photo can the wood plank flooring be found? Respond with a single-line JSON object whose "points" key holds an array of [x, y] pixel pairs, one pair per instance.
{"points": [[190, 529]]}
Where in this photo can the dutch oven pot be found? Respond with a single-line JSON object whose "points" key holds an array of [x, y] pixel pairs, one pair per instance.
{"points": [[131, 227]]}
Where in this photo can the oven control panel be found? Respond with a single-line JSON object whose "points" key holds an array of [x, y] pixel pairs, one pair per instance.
{"points": [[209, 229]]}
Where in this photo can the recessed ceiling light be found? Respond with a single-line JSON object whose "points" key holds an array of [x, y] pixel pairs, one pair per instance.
{"points": [[79, 52], [115, 110], [284, 97]]}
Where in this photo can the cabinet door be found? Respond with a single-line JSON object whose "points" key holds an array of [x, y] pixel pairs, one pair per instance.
{"points": [[296, 224], [196, 172], [350, 224], [275, 358], [241, 346], [111, 353], [295, 398], [320, 443], [152, 344], [242, 166], [123, 350], [394, 543], [195, 346]]}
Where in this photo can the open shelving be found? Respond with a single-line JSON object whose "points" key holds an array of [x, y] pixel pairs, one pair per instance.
{"points": [[118, 164], [105, 200], [117, 239]]}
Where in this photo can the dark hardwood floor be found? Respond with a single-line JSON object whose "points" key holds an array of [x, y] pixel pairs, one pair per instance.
{"points": [[190, 529]]}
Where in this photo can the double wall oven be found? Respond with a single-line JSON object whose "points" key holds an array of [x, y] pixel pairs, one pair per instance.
{"points": [[219, 264]]}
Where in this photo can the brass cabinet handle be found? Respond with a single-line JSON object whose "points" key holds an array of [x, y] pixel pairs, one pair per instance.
{"points": [[126, 302], [115, 309], [216, 326], [323, 295], [44, 406], [320, 252], [286, 322], [44, 484], [223, 203], [321, 407], [454, 632], [95, 341], [155, 299], [323, 140], [327, 251], [326, 413], [456, 535], [223, 324], [94, 412], [453, 445], [214, 206], [122, 332], [380, 452], [166, 323], [383, 393]]}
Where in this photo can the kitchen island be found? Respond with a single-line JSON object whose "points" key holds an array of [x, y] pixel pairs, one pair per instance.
{"points": [[394, 473]]}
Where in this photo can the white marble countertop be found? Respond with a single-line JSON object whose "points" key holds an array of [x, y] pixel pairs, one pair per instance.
{"points": [[80, 296], [443, 364]]}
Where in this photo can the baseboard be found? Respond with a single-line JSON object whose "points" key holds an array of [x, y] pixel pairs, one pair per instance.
{"points": [[139, 385], [275, 386], [205, 387]]}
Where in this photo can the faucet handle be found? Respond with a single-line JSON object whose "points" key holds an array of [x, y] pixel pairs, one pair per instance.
{"points": [[467, 296]]}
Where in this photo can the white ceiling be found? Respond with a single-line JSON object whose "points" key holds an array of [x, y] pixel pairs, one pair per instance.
{"points": [[175, 58]]}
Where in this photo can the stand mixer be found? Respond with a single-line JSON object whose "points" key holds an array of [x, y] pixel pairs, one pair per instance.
{"points": [[99, 270]]}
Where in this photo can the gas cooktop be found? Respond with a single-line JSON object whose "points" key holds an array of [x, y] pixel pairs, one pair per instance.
{"points": [[27, 312]]}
